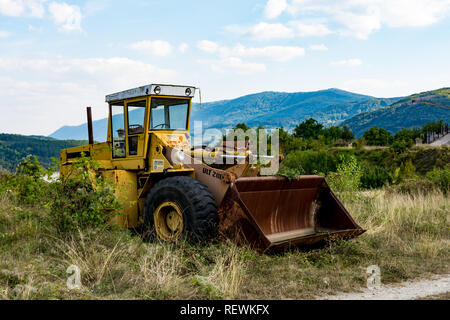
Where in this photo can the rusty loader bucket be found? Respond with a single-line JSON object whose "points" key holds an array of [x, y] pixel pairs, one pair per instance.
{"points": [[272, 212]]}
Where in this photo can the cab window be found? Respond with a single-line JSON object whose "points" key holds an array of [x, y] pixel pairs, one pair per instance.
{"points": [[118, 129], [169, 114], [136, 118]]}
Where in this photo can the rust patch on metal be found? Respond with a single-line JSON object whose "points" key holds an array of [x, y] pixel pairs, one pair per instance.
{"points": [[273, 213]]}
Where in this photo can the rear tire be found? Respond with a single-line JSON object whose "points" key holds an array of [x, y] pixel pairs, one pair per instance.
{"points": [[181, 197]]}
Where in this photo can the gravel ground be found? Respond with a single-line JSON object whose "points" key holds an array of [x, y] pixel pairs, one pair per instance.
{"points": [[409, 290], [445, 140]]}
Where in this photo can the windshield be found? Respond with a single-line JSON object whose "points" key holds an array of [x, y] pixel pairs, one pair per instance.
{"points": [[169, 114]]}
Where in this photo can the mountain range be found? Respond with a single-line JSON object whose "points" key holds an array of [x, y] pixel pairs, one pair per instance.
{"points": [[329, 107], [269, 109]]}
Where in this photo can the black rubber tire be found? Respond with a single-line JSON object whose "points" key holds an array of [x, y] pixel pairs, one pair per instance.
{"points": [[201, 222]]}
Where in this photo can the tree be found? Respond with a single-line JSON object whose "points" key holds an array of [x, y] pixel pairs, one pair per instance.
{"points": [[308, 129], [242, 126], [377, 137], [289, 143], [432, 127], [347, 134], [404, 137], [332, 133]]}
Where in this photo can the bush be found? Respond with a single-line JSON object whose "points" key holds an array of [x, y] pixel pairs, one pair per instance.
{"points": [[28, 183], [82, 199], [290, 173], [402, 145], [375, 177], [413, 186], [311, 161], [348, 175], [377, 137], [440, 178], [408, 136], [77, 200]]}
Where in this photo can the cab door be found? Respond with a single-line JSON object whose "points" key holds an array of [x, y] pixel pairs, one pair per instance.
{"points": [[136, 124], [117, 125]]}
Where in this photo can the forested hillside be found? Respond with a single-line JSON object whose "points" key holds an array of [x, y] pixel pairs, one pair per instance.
{"points": [[412, 111], [14, 147]]}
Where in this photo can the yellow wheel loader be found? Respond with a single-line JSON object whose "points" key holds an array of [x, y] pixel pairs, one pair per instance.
{"points": [[173, 199]]}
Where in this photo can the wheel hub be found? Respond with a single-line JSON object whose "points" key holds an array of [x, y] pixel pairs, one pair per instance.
{"points": [[168, 221]]}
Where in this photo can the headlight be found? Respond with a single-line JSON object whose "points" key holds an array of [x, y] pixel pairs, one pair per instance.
{"points": [[188, 91], [178, 156], [157, 90]]}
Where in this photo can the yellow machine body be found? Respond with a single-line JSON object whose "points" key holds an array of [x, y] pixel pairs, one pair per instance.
{"points": [[134, 174]]}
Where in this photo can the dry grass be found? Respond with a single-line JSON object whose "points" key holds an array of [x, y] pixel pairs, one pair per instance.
{"points": [[408, 237], [442, 296]]}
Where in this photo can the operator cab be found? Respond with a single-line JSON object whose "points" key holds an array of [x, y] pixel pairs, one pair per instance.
{"points": [[137, 112]]}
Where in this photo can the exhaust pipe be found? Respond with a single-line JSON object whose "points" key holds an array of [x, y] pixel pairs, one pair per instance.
{"points": [[89, 123]]}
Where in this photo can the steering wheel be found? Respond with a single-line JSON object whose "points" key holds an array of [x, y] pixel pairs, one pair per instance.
{"points": [[135, 128], [162, 124]]}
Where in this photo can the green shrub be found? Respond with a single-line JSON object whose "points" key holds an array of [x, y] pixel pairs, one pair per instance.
{"points": [[77, 200], [375, 177], [82, 199], [28, 183], [348, 175], [291, 173], [377, 137], [440, 178], [413, 186], [311, 161], [402, 145]]}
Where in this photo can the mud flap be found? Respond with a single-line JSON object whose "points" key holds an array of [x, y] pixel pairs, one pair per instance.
{"points": [[271, 213]]}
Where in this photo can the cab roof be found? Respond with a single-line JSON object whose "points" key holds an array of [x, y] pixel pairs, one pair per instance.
{"points": [[153, 90]]}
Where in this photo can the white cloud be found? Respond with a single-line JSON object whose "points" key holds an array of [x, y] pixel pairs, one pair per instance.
{"points": [[33, 28], [358, 25], [347, 63], [274, 8], [318, 47], [35, 8], [360, 18], [235, 65], [183, 47], [63, 87], [310, 29], [263, 31], [125, 70], [230, 58], [4, 34], [18, 8], [157, 47], [66, 17], [207, 46], [275, 53], [11, 8], [91, 7]]}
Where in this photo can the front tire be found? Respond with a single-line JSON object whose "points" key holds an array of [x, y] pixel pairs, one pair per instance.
{"points": [[181, 208]]}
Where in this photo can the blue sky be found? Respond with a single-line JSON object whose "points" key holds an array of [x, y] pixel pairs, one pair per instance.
{"points": [[57, 57]]}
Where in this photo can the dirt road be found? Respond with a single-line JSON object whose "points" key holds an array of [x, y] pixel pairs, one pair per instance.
{"points": [[408, 290], [445, 140]]}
